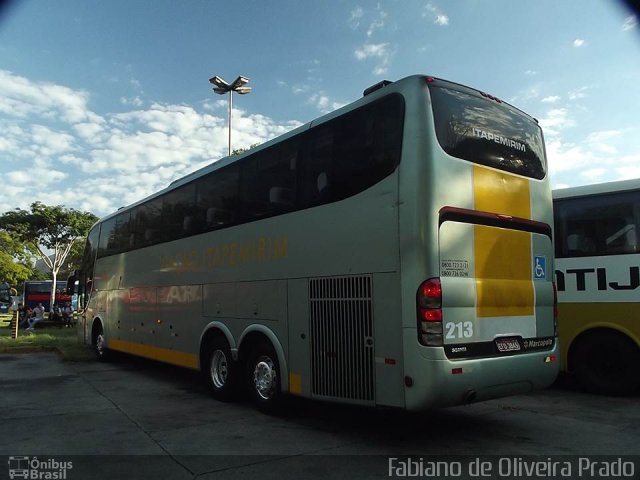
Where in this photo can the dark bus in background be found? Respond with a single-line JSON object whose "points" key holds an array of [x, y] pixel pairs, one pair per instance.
{"points": [[40, 292], [5, 297]]}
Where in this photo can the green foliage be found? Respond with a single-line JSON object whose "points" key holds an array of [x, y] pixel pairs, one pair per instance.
{"points": [[239, 151], [15, 260], [47, 226], [47, 229], [64, 340]]}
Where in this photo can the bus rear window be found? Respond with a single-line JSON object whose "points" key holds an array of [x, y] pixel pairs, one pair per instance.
{"points": [[483, 131]]}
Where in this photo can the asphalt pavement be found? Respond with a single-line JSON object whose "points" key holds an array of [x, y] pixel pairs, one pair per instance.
{"points": [[135, 418]]}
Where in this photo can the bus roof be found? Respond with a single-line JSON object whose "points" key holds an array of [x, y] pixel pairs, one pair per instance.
{"points": [[597, 189]]}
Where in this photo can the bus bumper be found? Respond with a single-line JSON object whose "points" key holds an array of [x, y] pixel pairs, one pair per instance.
{"points": [[440, 382]]}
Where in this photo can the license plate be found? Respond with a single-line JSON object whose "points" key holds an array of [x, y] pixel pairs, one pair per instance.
{"points": [[507, 344]]}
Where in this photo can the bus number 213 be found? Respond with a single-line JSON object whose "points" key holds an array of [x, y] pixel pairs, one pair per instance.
{"points": [[459, 330]]}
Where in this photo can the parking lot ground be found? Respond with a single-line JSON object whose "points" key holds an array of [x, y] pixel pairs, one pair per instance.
{"points": [[135, 413]]}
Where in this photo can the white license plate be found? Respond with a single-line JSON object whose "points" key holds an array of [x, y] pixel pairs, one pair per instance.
{"points": [[507, 344]]}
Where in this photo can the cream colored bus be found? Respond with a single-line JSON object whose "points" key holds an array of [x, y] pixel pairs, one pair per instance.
{"points": [[597, 230], [396, 252]]}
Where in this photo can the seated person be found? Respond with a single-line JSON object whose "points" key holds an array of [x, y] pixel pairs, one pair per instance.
{"points": [[38, 316], [56, 314], [67, 314], [26, 312]]}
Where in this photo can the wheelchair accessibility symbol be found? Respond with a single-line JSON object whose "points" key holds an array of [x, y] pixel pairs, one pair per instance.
{"points": [[540, 267]]}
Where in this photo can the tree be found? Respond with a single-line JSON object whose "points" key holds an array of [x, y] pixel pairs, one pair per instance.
{"points": [[15, 260], [55, 228], [240, 151]]}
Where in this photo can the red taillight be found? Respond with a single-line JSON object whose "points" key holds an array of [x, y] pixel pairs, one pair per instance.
{"points": [[431, 288], [429, 309], [431, 315], [430, 79], [430, 294], [555, 310]]}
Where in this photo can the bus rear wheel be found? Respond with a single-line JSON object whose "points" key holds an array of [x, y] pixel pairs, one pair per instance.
{"points": [[263, 372], [607, 362], [221, 371], [99, 343]]}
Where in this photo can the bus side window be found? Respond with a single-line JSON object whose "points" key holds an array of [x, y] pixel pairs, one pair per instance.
{"points": [[580, 244], [622, 237], [217, 199], [217, 217]]}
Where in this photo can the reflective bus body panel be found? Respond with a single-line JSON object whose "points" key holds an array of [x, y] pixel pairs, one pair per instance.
{"points": [[442, 181], [360, 258]]}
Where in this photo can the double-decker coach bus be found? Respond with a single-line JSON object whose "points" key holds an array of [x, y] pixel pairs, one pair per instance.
{"points": [[597, 232], [39, 291], [396, 252]]}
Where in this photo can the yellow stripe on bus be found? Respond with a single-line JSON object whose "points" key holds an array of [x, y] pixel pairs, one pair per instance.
{"points": [[504, 285], [500, 192], [174, 357], [295, 383]]}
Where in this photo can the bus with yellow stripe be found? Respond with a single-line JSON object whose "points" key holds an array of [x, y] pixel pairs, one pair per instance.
{"points": [[396, 252], [597, 230]]}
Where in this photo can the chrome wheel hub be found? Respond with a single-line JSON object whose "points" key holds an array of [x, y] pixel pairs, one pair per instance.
{"points": [[219, 369], [100, 344], [265, 377]]}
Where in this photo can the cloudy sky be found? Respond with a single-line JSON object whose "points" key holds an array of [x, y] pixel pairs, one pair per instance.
{"points": [[103, 103]]}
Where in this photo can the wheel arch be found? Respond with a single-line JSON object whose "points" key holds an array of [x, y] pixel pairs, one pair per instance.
{"points": [[212, 330], [96, 323], [254, 334], [593, 331]]}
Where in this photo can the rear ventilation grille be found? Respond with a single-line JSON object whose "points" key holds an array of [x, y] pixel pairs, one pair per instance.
{"points": [[342, 350]]}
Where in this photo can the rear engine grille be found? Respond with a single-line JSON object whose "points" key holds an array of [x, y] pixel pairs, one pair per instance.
{"points": [[342, 350]]}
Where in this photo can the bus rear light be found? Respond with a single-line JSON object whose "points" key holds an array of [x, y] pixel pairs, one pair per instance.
{"points": [[430, 294], [456, 371], [430, 79], [550, 359], [555, 309], [429, 309], [431, 315]]}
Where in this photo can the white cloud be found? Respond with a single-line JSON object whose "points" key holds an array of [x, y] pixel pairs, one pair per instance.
{"points": [[530, 72], [371, 50], [628, 172], [50, 138], [133, 101], [578, 93], [356, 15], [378, 22], [555, 120], [579, 42], [374, 18], [323, 103], [567, 157], [593, 174], [551, 99], [436, 14], [379, 51], [603, 135], [630, 23]]}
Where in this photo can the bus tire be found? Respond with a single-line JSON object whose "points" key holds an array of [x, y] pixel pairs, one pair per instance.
{"points": [[264, 380], [607, 362], [99, 343], [221, 371]]}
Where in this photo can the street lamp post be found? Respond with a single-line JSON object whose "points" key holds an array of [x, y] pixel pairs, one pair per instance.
{"points": [[221, 87]]}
